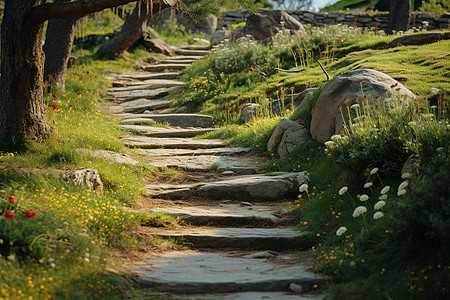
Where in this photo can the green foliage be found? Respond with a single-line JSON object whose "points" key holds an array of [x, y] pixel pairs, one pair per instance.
{"points": [[438, 7], [349, 5]]}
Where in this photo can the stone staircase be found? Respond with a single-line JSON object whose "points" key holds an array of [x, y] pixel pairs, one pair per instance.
{"points": [[241, 246]]}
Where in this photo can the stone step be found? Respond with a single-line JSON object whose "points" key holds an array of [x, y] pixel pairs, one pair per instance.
{"points": [[194, 272], [183, 57], [196, 152], [245, 188], [166, 132], [171, 143], [178, 61], [279, 239], [203, 163], [141, 105], [181, 120], [260, 295], [137, 94], [162, 67], [147, 84], [186, 52], [223, 214], [149, 76], [109, 155], [195, 47]]}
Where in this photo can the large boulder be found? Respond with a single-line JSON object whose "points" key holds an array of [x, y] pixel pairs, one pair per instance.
{"points": [[326, 116], [287, 135], [267, 23]]}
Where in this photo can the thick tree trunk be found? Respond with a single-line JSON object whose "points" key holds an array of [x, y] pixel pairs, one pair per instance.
{"points": [[22, 60], [131, 30], [399, 15], [57, 48]]}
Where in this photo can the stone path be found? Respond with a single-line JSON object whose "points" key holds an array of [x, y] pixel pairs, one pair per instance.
{"points": [[241, 246]]}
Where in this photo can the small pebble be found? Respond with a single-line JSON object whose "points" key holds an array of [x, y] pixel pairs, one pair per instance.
{"points": [[296, 288], [227, 173], [246, 204]]}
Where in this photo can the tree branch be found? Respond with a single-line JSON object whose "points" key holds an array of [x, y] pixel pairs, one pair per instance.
{"points": [[79, 8]]}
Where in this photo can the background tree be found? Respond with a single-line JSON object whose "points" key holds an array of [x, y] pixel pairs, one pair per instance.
{"points": [[293, 4], [399, 15]]}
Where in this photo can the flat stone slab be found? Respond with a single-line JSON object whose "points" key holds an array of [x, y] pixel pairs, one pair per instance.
{"points": [[259, 296], [149, 76], [140, 105], [184, 57], [180, 120], [193, 272], [187, 52], [110, 155], [162, 67], [232, 214], [247, 165], [188, 152], [148, 84], [137, 94], [195, 47], [172, 143], [179, 61], [245, 188], [166, 132]]}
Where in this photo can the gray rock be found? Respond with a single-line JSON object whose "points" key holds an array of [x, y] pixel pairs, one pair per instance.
{"points": [[246, 204], [218, 36], [307, 103], [172, 143], [166, 132], [181, 120], [148, 84], [262, 25], [420, 39], [326, 116], [196, 152], [138, 94], [149, 76], [296, 288], [248, 110], [303, 177], [286, 136], [84, 177], [227, 173], [140, 105], [169, 67]]}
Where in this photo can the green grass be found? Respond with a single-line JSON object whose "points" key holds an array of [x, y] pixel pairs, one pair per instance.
{"points": [[349, 5]]}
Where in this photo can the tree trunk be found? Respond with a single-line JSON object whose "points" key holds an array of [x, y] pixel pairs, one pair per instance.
{"points": [[21, 105], [399, 15], [57, 48], [131, 30]]}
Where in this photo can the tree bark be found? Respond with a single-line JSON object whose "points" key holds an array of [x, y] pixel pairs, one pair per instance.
{"points": [[399, 15], [57, 48], [131, 30], [22, 112]]}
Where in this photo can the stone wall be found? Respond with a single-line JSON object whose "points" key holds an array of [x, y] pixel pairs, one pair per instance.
{"points": [[364, 19]]}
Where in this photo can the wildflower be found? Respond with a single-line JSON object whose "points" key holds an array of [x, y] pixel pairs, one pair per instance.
{"points": [[11, 257], [55, 95], [336, 138], [86, 259], [385, 189], [10, 215], [378, 215], [11, 199], [379, 205], [329, 143], [79, 93], [364, 197], [368, 185], [406, 175], [374, 171], [52, 265], [30, 214], [355, 106], [401, 192], [343, 190], [341, 231], [359, 211], [412, 124], [403, 185], [303, 188], [382, 197]]}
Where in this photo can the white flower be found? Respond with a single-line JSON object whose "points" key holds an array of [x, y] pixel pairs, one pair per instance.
{"points": [[53, 265], [11, 257], [383, 197], [401, 192], [67, 251], [303, 188], [368, 185], [86, 259], [355, 106], [341, 231], [329, 143], [385, 189], [403, 185], [406, 175], [86, 254], [373, 171], [364, 197], [336, 138], [412, 124], [379, 205], [359, 211], [378, 215], [50, 260], [343, 190]]}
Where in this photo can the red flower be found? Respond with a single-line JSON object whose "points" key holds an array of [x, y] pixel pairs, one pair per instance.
{"points": [[79, 93], [339, 106], [360, 81], [30, 214], [55, 95], [9, 215], [257, 82], [242, 53], [11, 199], [347, 104], [54, 106], [87, 72]]}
